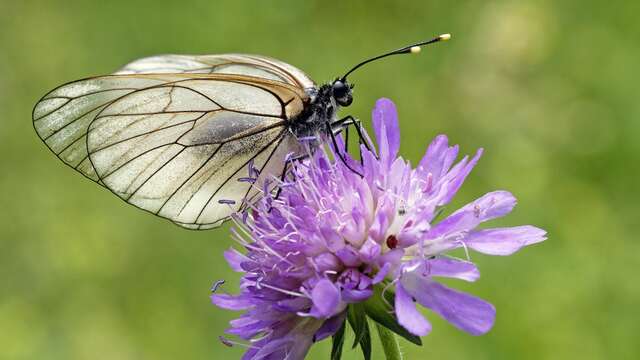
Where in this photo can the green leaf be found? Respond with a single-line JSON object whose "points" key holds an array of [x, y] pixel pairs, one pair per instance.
{"points": [[365, 342], [358, 321], [337, 341], [380, 312], [389, 343]]}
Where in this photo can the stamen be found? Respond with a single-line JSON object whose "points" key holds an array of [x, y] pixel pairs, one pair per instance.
{"points": [[288, 157], [284, 291], [392, 242], [266, 334], [247, 179], [466, 250], [384, 290], [242, 226], [231, 343], [307, 138], [253, 171], [216, 285], [225, 341], [427, 187], [427, 266]]}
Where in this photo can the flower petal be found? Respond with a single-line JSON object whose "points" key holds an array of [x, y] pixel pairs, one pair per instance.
{"points": [[384, 216], [355, 296], [408, 316], [235, 259], [464, 311], [231, 302], [326, 299], [385, 125], [350, 162], [349, 256], [295, 304], [369, 251], [329, 327], [490, 206], [393, 257], [332, 239], [382, 273], [454, 185], [438, 158], [327, 262], [370, 165], [452, 268], [504, 241]]}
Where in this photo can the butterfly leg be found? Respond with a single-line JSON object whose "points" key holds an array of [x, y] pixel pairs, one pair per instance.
{"points": [[346, 139], [285, 170], [350, 120], [338, 151], [347, 120]]}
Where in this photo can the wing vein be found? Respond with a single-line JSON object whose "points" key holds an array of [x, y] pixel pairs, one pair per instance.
{"points": [[187, 180], [69, 98], [153, 174], [266, 163], [234, 174], [145, 133], [136, 157]]}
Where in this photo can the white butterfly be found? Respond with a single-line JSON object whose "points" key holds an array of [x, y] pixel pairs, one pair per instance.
{"points": [[176, 135]]}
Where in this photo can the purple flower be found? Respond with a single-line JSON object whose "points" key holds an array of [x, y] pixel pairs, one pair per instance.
{"points": [[332, 237]]}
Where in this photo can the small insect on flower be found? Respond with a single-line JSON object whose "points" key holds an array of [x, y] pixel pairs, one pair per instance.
{"points": [[336, 247], [173, 134]]}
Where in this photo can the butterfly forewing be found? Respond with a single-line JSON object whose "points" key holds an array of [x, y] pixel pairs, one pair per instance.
{"points": [[238, 64], [62, 117], [177, 144], [155, 151]]}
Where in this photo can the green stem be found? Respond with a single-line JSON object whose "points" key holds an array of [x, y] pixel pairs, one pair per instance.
{"points": [[389, 343]]}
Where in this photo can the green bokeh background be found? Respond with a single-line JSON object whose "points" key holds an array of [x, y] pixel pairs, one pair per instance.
{"points": [[549, 90]]}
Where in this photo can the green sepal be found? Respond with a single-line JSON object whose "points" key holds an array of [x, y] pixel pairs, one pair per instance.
{"points": [[376, 308], [337, 342]]}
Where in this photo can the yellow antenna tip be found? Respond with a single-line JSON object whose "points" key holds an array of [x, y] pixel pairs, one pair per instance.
{"points": [[415, 49], [445, 37]]}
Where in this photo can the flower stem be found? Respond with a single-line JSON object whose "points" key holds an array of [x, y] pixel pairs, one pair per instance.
{"points": [[389, 343]]}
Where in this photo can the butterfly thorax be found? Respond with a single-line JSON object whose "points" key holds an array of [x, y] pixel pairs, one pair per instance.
{"points": [[317, 117]]}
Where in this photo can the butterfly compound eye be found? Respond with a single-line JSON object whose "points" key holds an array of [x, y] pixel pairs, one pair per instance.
{"points": [[342, 93]]}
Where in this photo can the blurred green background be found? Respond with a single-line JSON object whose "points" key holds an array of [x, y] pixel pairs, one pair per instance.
{"points": [[549, 90]]}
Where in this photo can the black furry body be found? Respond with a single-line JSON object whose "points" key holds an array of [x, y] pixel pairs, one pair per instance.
{"points": [[318, 115]]}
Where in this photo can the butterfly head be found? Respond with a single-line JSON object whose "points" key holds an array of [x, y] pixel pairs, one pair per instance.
{"points": [[342, 92]]}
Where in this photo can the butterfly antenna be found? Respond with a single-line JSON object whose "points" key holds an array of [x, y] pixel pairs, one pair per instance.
{"points": [[410, 49]]}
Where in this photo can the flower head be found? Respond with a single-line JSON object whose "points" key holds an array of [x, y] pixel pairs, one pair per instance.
{"points": [[332, 237]]}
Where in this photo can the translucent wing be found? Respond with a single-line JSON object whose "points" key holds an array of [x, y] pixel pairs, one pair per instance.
{"points": [[174, 144], [239, 64], [61, 117]]}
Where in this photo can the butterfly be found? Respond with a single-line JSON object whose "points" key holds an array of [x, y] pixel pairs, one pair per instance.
{"points": [[193, 138]]}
